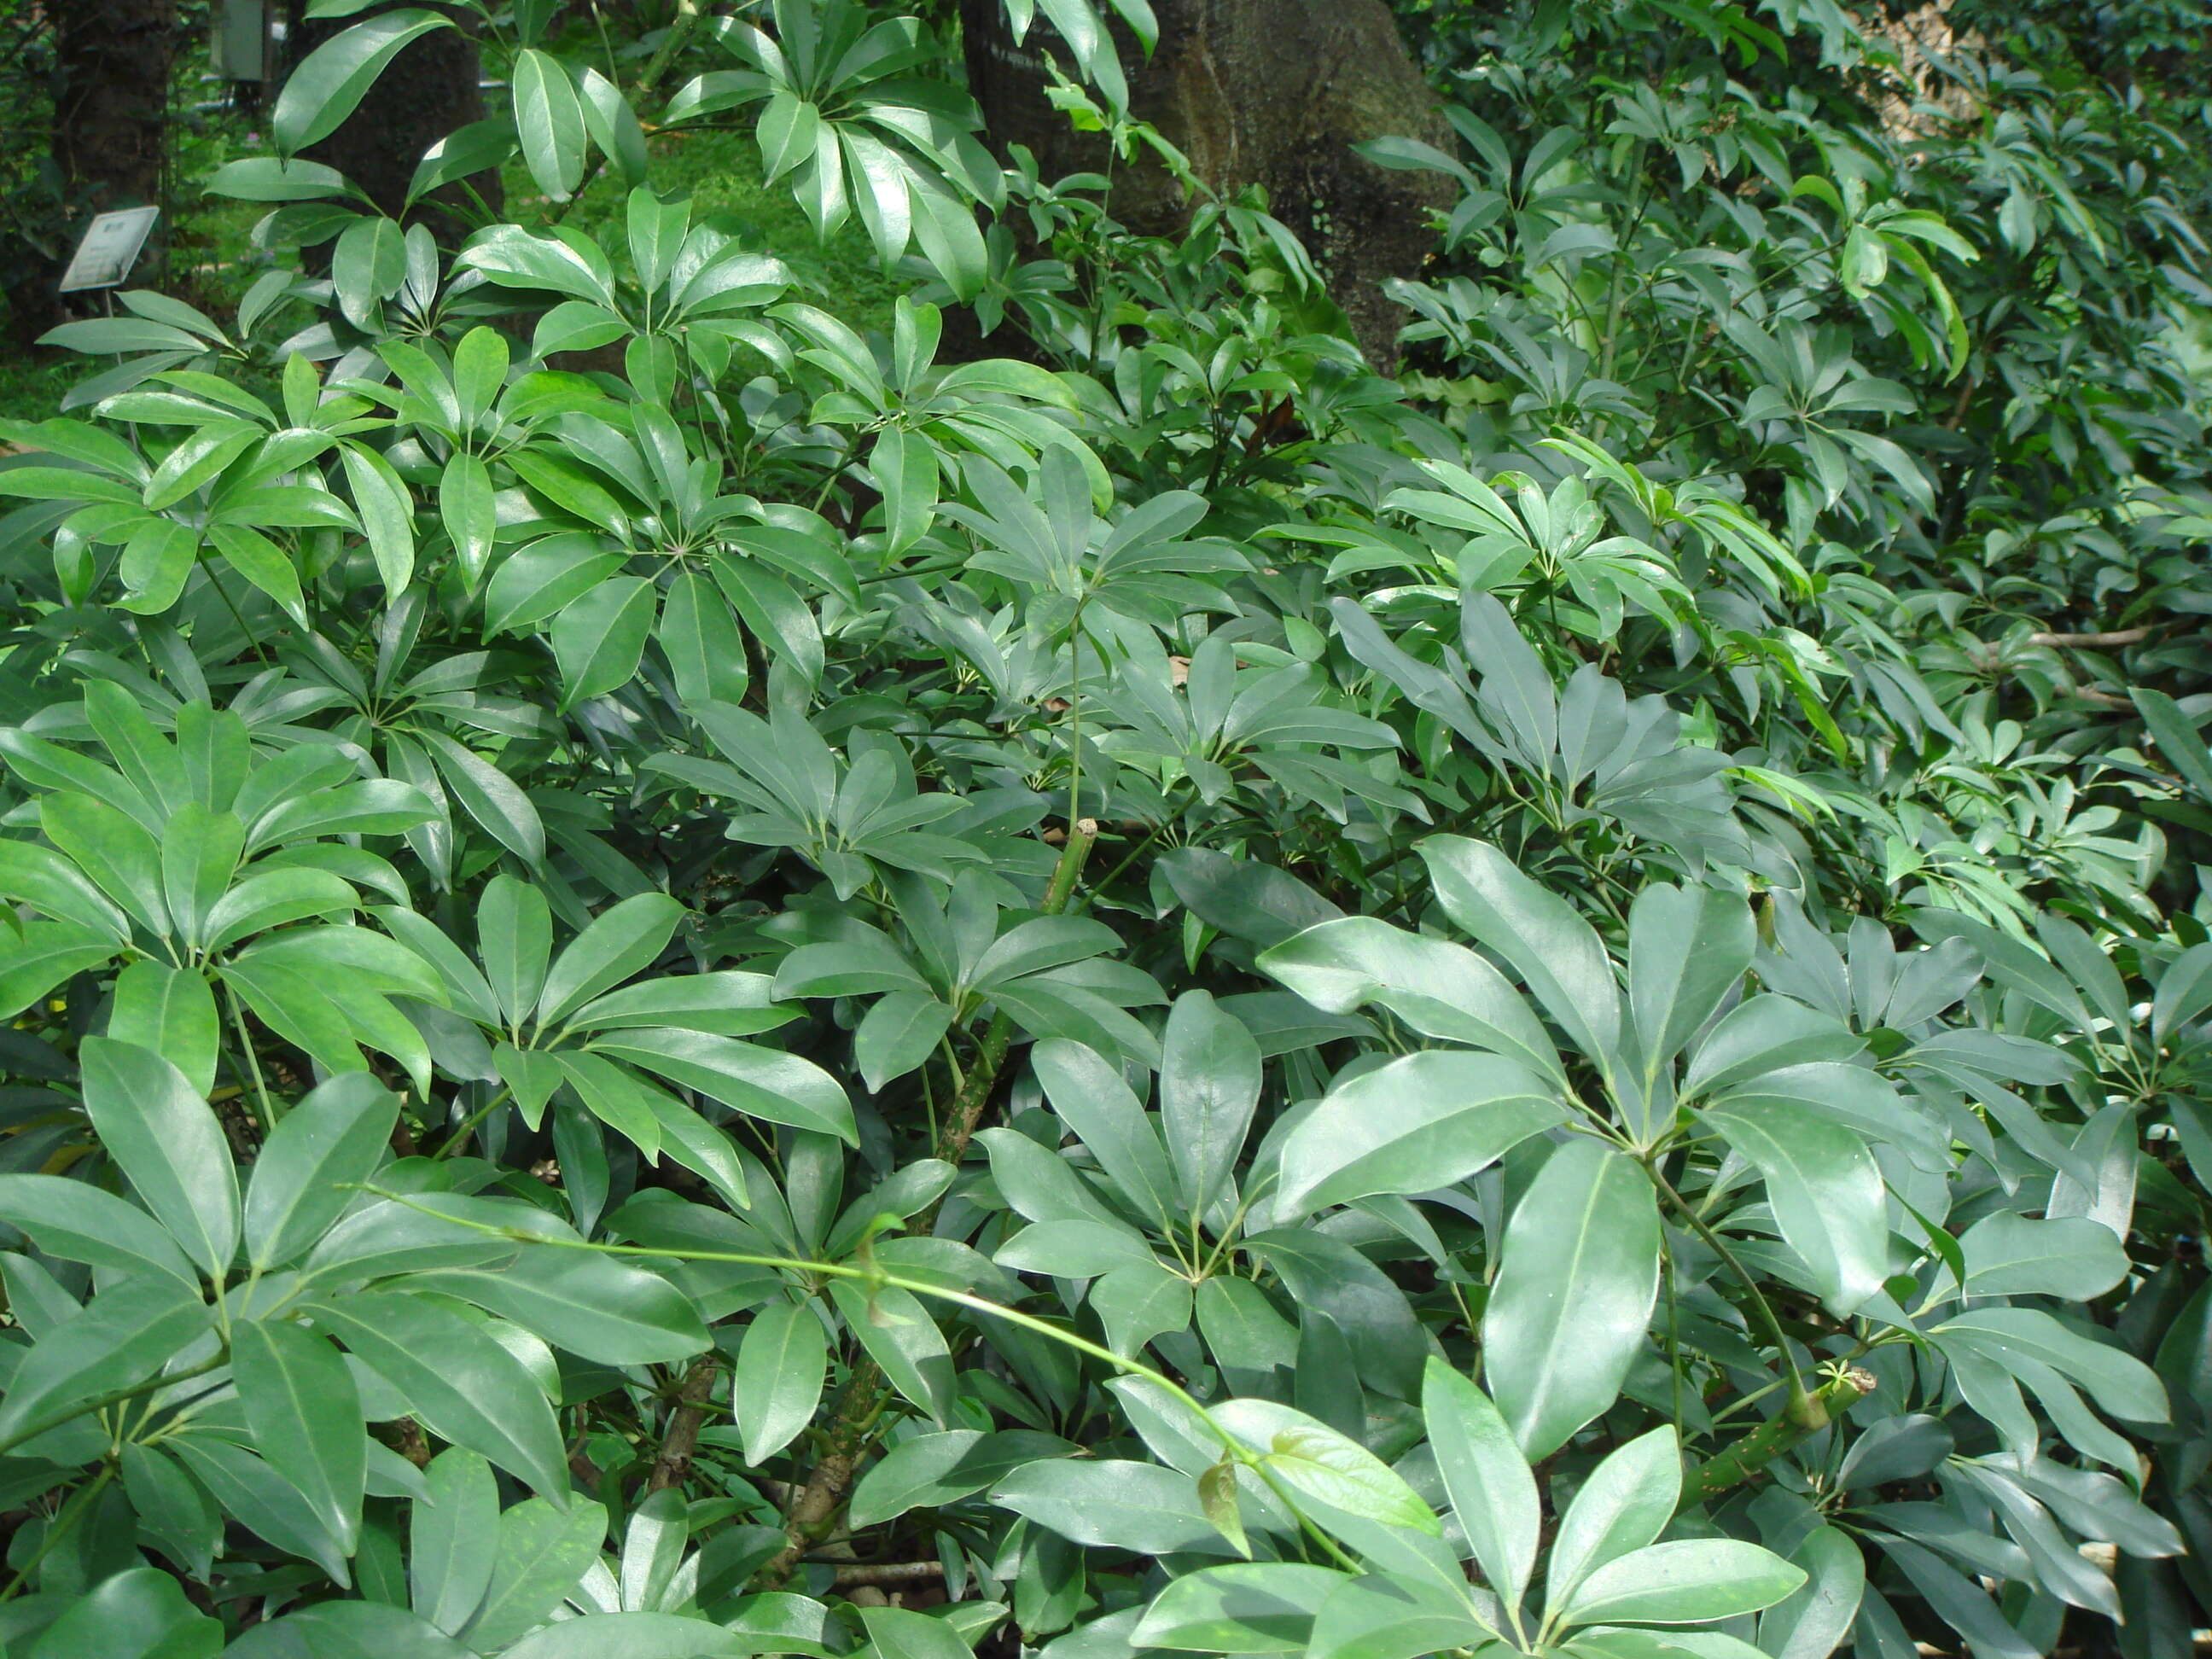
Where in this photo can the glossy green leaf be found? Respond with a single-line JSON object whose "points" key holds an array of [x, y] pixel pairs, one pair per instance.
{"points": [[1575, 1287]]}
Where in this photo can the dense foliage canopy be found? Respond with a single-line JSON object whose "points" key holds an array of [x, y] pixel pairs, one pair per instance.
{"points": [[687, 981]]}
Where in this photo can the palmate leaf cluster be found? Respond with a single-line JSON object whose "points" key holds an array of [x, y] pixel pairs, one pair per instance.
{"points": [[1147, 993]]}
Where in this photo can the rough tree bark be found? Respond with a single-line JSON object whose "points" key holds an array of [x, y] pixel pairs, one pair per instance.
{"points": [[111, 61], [111, 98], [1268, 92], [426, 92]]}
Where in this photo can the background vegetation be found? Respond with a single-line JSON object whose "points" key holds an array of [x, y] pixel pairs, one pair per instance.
{"points": [[767, 894]]}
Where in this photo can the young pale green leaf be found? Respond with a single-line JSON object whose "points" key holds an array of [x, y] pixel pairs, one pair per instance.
{"points": [[1317, 1461]]}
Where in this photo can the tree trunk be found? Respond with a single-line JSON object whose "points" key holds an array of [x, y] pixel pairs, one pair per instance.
{"points": [[112, 60], [1271, 93], [427, 92], [111, 102]]}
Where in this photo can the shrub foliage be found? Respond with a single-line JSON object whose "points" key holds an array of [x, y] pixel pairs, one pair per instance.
{"points": [[1152, 994]]}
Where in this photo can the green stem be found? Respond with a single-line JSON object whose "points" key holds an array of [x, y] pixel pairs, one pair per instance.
{"points": [[966, 1108], [1803, 1407], [252, 1060], [876, 1278], [102, 1403], [1749, 1456], [679, 31], [459, 1137], [60, 1527]]}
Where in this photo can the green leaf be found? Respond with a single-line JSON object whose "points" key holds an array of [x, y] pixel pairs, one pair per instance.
{"points": [[1553, 950], [45, 954], [345, 1630], [1492, 1493], [633, 1636], [762, 1083], [1818, 1615], [897, 1035], [592, 1306], [900, 1634], [1111, 1503], [305, 1415], [623, 940], [543, 1552], [1416, 1125], [489, 796], [1317, 1461], [1687, 949], [1090, 1095], [76, 1222], [1693, 1582], [452, 1537], [464, 1385], [931, 1470], [706, 653], [1578, 1274], [1440, 989], [1209, 1089], [157, 1127], [1625, 1506], [333, 1139], [896, 1330], [124, 1336], [140, 1613], [1246, 1606], [2074, 1258], [330, 82], [2175, 733], [600, 639], [1826, 1192], [248, 1490], [170, 1011], [549, 117], [1395, 1615], [782, 1365]]}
